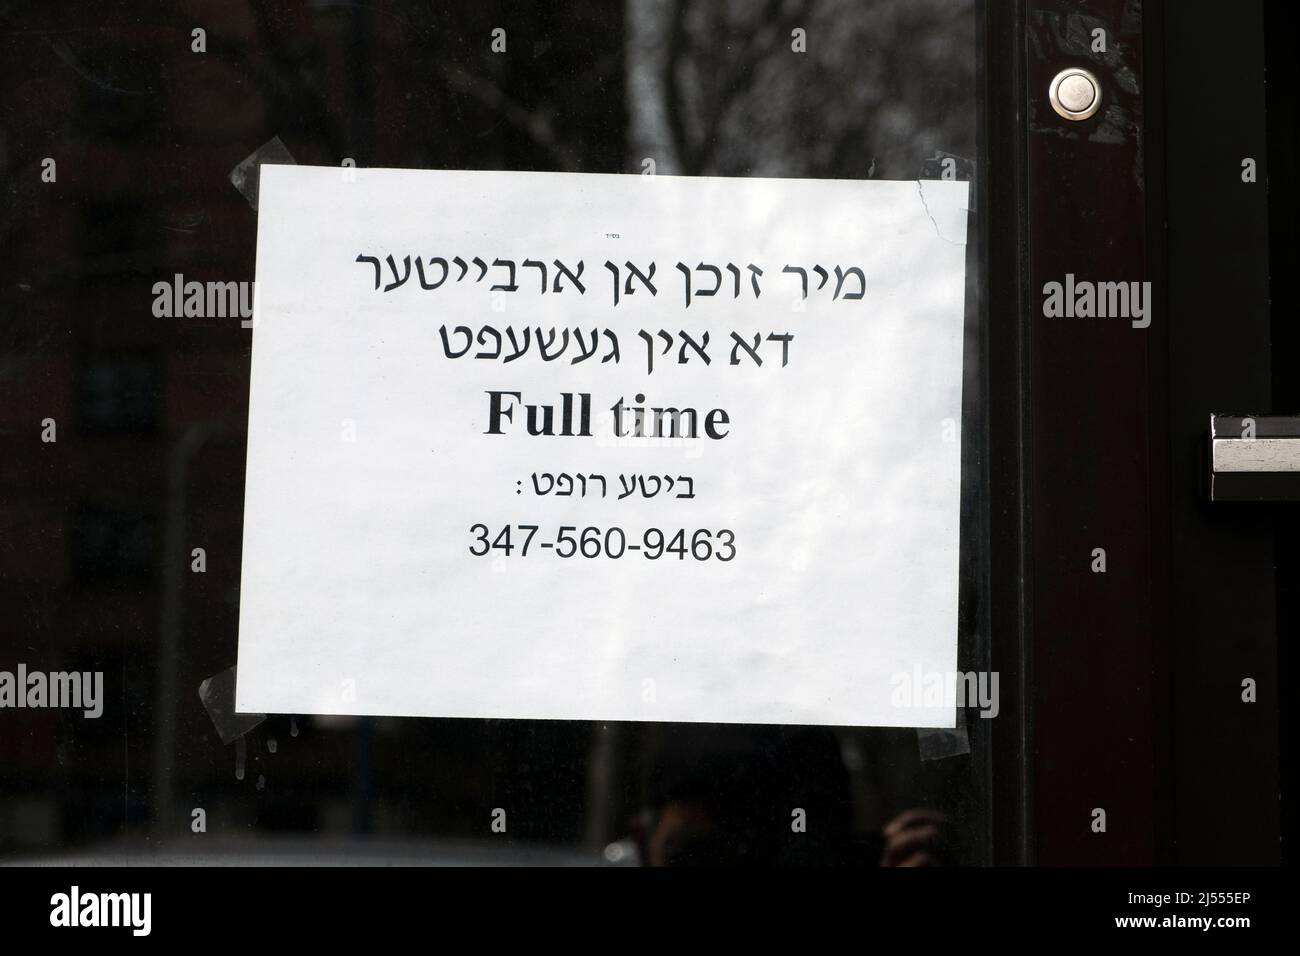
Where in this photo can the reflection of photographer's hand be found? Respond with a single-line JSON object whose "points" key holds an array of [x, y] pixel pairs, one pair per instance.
{"points": [[914, 838]]}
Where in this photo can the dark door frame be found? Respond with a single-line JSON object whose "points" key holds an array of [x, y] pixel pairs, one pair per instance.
{"points": [[1121, 686]]}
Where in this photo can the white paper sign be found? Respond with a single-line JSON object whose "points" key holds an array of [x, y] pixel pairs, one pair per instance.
{"points": [[786, 554]]}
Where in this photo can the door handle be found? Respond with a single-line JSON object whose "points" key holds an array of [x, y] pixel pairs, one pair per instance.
{"points": [[1254, 458]]}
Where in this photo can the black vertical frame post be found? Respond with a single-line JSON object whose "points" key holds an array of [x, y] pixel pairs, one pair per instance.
{"points": [[1232, 579], [1090, 403], [1001, 199]]}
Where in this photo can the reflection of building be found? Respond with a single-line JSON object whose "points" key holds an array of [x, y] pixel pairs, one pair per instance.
{"points": [[150, 412]]}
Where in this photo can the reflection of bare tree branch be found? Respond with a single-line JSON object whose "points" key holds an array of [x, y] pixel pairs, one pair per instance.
{"points": [[676, 50], [774, 26], [882, 81], [534, 124]]}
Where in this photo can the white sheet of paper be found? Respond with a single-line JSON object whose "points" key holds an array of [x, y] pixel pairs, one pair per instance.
{"points": [[369, 460]]}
